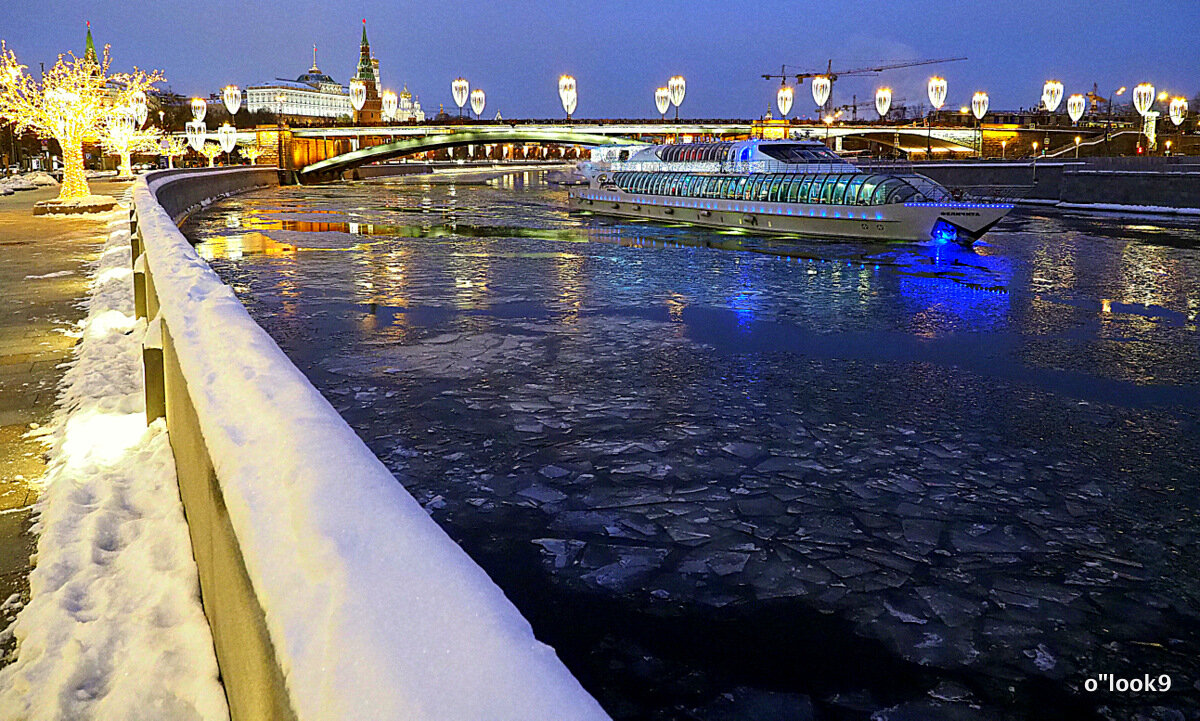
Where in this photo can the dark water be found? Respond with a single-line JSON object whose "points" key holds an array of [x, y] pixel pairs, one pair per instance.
{"points": [[730, 477]]}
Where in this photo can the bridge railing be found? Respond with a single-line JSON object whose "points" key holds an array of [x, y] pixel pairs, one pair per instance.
{"points": [[330, 592]]}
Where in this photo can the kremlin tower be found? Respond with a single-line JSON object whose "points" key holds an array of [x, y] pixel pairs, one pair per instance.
{"points": [[372, 110]]}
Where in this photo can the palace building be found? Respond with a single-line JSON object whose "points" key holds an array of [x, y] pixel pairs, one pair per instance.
{"points": [[316, 95]]}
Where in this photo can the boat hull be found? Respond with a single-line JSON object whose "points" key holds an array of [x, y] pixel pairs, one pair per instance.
{"points": [[906, 222]]}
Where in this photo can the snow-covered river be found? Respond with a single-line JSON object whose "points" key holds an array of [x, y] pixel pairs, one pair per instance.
{"points": [[729, 477]]}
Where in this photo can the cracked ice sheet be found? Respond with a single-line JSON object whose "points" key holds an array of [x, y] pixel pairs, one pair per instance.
{"points": [[114, 628]]}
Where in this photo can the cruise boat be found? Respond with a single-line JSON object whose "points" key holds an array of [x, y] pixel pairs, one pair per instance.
{"points": [[796, 187]]}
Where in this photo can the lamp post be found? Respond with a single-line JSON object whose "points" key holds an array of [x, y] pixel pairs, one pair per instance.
{"points": [[1003, 148], [979, 108], [662, 101], [1078, 140], [1143, 102], [568, 94], [1108, 124], [936, 89], [231, 95], [784, 98], [677, 86], [460, 89], [883, 102], [389, 102], [279, 98], [821, 89], [478, 100], [1075, 106], [227, 137]]}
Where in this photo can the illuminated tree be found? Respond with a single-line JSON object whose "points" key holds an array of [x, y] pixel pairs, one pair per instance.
{"points": [[70, 104], [211, 151], [176, 146], [252, 152], [121, 136]]}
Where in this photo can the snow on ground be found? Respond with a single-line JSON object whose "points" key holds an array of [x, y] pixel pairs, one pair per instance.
{"points": [[374, 612], [114, 628]]}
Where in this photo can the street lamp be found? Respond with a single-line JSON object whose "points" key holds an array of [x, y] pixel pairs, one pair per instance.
{"points": [[1075, 106], [1052, 93], [677, 87], [232, 95], [783, 99], [662, 101], [478, 100], [883, 102], [139, 108], [227, 137], [979, 108], [568, 94], [1143, 101], [821, 88], [460, 89], [389, 103], [279, 98], [1078, 140], [936, 89], [1179, 109], [199, 108], [358, 94], [1003, 148]]}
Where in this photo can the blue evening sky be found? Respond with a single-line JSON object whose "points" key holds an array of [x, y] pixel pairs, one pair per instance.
{"points": [[620, 50]]}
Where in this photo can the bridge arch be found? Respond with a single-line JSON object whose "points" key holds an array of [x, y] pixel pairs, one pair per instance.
{"points": [[331, 168]]}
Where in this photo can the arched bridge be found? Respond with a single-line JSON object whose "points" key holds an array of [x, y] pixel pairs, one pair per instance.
{"points": [[331, 168]]}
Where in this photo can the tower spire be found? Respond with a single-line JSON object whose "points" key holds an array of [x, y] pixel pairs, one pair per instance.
{"points": [[364, 40], [89, 52]]}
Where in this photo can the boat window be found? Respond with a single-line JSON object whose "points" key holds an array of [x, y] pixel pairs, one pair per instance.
{"points": [[739, 190], [827, 189], [866, 191], [711, 187], [644, 183], [776, 184], [885, 189], [852, 189], [726, 184], [814, 189]]}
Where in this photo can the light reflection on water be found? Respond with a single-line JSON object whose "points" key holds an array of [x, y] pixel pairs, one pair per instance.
{"points": [[717, 421]]}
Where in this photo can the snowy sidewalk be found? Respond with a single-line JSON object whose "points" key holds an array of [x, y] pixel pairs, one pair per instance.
{"points": [[114, 628]]}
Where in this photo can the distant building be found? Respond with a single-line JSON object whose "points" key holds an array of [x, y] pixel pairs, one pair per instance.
{"points": [[313, 94]]}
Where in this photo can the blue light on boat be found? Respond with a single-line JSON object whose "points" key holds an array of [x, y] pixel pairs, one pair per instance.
{"points": [[943, 232]]}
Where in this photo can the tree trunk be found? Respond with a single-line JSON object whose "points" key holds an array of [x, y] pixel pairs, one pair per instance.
{"points": [[125, 169], [74, 183]]}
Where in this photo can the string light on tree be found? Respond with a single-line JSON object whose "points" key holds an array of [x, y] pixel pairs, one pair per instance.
{"points": [[211, 151], [172, 146], [70, 103], [252, 153], [122, 137]]}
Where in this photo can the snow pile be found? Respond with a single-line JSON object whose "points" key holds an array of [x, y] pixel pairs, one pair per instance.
{"points": [[374, 612], [114, 627], [16, 182], [41, 179]]}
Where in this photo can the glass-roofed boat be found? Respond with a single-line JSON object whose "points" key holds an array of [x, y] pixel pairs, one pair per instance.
{"points": [[797, 187]]}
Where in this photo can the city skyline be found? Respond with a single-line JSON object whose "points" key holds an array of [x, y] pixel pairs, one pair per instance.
{"points": [[516, 52]]}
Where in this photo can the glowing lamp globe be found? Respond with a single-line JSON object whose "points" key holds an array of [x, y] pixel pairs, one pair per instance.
{"points": [[936, 89], [821, 86], [662, 100], [232, 95], [199, 108], [883, 101], [1075, 107], [196, 134], [1052, 93], [358, 94], [460, 89], [390, 103], [227, 136], [478, 100], [1179, 109], [571, 102], [566, 89], [678, 88], [139, 107], [783, 99], [979, 105], [1143, 98]]}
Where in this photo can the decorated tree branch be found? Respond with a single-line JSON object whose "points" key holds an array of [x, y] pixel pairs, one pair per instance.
{"points": [[71, 103]]}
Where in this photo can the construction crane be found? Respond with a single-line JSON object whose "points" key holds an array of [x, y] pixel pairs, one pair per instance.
{"points": [[833, 75]]}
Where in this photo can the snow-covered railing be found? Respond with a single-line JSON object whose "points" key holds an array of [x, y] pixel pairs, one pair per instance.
{"points": [[331, 593]]}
